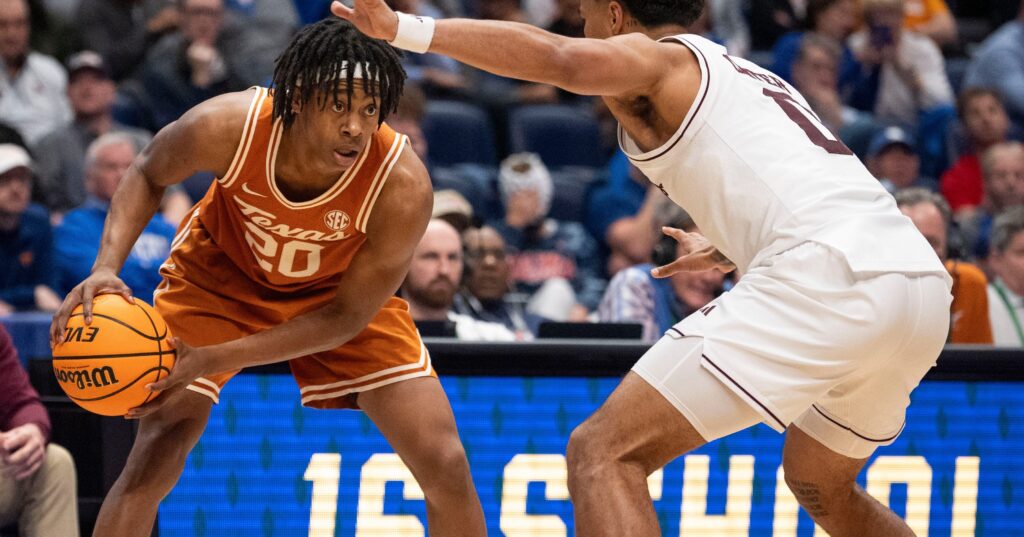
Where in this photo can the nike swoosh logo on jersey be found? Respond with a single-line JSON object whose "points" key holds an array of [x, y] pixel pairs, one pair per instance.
{"points": [[245, 188]]}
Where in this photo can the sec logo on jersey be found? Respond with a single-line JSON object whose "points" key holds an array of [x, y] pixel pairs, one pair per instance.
{"points": [[337, 220]]}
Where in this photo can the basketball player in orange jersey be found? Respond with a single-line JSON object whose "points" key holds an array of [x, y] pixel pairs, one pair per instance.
{"points": [[842, 307], [294, 254]]}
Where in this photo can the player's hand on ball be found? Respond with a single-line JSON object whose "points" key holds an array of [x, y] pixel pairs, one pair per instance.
{"points": [[698, 255], [98, 283], [372, 17], [189, 365], [23, 450]]}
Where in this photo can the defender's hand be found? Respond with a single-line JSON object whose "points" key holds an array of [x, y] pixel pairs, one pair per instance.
{"points": [[98, 283], [699, 255], [372, 17], [189, 364]]}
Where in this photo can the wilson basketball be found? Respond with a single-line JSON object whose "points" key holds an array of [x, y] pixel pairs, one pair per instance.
{"points": [[105, 366]]}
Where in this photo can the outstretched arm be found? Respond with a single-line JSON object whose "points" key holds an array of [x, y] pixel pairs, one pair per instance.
{"points": [[620, 65]]}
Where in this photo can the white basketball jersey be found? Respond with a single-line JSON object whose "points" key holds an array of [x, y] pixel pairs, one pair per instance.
{"points": [[759, 174]]}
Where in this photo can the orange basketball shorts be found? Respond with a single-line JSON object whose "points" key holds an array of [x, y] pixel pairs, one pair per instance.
{"points": [[206, 300]]}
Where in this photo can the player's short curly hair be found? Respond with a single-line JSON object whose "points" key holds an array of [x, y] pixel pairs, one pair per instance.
{"points": [[658, 12], [321, 61]]}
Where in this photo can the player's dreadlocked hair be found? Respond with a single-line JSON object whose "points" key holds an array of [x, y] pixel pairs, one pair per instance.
{"points": [[324, 55]]}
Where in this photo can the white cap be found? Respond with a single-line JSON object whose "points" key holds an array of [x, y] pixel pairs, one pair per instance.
{"points": [[13, 156]]}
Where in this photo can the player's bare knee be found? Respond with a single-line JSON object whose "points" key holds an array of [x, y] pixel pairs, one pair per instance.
{"points": [[445, 471], [588, 454]]}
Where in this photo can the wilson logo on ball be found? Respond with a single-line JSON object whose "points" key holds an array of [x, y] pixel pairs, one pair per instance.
{"points": [[86, 378], [84, 334]]}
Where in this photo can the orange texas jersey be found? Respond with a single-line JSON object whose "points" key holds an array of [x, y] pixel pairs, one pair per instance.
{"points": [[281, 244]]}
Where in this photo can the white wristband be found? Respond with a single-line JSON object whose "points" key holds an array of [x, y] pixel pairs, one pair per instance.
{"points": [[414, 33]]}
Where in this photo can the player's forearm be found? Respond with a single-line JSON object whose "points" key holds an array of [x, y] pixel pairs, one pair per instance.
{"points": [[488, 45], [316, 331], [133, 206]]}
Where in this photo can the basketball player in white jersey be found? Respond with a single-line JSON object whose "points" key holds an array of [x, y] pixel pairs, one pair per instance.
{"points": [[842, 307]]}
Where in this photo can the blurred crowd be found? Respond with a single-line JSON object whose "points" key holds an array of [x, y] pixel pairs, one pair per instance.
{"points": [[539, 218]]}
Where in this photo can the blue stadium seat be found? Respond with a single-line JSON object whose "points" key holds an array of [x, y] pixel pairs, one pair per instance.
{"points": [[571, 188], [562, 135], [478, 184], [458, 133]]}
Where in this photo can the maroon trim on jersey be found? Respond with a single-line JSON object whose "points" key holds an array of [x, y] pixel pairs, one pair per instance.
{"points": [[744, 390], [841, 426], [706, 73]]}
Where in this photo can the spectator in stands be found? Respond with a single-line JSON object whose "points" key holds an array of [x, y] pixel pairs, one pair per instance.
{"points": [[453, 208], [408, 119], [27, 274], [554, 261], [833, 20], [78, 238], [815, 75], [123, 31], [437, 75], [1006, 292], [905, 74], [620, 212], [729, 24], [568, 21], [433, 279], [255, 33], [33, 86], [894, 162], [61, 153], [38, 488], [635, 296], [970, 309], [486, 292], [772, 19], [932, 19], [1002, 167], [986, 124], [998, 64], [188, 66]]}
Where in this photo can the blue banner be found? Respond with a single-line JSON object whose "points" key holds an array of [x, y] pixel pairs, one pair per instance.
{"points": [[267, 466]]}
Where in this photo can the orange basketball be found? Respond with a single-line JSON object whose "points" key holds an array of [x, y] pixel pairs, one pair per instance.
{"points": [[106, 365]]}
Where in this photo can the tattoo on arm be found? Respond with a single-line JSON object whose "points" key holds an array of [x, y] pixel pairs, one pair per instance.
{"points": [[809, 496]]}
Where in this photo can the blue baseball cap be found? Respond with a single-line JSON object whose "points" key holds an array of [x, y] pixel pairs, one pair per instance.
{"points": [[889, 137]]}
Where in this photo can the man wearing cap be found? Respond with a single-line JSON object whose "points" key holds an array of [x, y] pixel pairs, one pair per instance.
{"points": [[27, 275], [61, 153], [77, 240], [893, 160], [32, 85]]}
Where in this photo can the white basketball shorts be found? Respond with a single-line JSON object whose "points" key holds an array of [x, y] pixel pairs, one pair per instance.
{"points": [[802, 340]]}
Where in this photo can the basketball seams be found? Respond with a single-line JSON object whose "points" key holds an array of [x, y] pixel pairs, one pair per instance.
{"points": [[159, 348], [123, 355], [126, 325]]}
